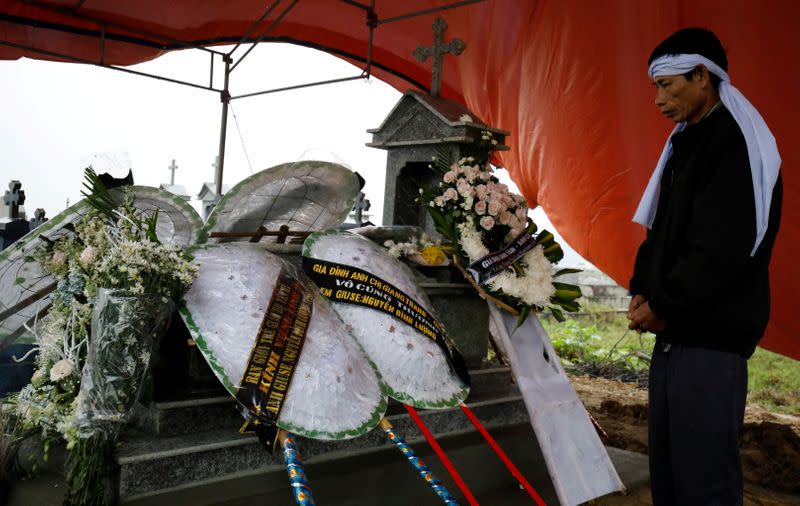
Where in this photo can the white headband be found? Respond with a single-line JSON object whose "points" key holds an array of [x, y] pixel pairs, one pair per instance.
{"points": [[765, 161]]}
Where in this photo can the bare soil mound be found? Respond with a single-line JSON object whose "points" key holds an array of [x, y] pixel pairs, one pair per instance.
{"points": [[770, 444]]}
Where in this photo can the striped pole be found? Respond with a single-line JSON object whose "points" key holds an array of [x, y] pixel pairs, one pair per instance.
{"points": [[448, 465], [417, 463], [294, 467], [503, 457]]}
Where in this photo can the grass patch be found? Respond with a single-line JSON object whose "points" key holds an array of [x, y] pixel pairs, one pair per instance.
{"points": [[591, 342], [774, 382]]}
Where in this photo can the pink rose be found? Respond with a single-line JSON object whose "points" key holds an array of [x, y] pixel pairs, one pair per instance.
{"points": [[439, 201], [495, 207], [487, 222], [463, 187], [522, 213], [449, 177], [480, 207], [506, 217], [450, 194], [480, 191]]}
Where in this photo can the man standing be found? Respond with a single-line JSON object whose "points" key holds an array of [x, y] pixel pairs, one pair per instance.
{"points": [[701, 281]]}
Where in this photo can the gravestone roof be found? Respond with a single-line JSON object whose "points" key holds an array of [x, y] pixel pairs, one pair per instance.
{"points": [[448, 111], [177, 190], [420, 118], [209, 191]]}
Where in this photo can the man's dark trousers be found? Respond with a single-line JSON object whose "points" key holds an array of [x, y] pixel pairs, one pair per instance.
{"points": [[696, 414]]}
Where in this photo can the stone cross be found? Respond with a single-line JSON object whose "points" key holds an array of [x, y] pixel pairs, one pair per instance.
{"points": [[439, 48], [38, 218], [362, 204], [172, 169], [14, 198]]}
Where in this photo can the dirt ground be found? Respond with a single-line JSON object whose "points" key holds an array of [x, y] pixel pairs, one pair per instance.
{"points": [[770, 445]]}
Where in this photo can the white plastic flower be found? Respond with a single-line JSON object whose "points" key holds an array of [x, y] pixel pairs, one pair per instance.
{"points": [[87, 255], [59, 259], [61, 370], [466, 118]]}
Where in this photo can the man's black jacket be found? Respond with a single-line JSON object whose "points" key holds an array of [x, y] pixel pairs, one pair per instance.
{"points": [[694, 267]]}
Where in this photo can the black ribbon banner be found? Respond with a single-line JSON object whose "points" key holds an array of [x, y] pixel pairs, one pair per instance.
{"points": [[486, 268], [344, 283], [275, 354]]}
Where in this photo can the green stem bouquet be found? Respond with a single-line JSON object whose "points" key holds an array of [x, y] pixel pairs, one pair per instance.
{"points": [[116, 283]]}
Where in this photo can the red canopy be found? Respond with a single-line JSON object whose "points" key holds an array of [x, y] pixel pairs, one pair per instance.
{"points": [[566, 77]]}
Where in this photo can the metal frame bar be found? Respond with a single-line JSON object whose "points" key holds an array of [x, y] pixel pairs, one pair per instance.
{"points": [[300, 86], [428, 11], [253, 26], [104, 65], [265, 32], [225, 97], [359, 5]]}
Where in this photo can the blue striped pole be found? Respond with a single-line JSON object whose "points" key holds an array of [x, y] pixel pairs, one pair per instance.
{"points": [[294, 467], [420, 466]]}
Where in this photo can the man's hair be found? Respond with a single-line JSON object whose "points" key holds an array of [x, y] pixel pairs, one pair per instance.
{"points": [[693, 41]]}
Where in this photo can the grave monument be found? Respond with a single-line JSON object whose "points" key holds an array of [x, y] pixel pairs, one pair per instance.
{"points": [[13, 223]]}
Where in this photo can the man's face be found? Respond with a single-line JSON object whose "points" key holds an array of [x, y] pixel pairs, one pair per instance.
{"points": [[680, 99]]}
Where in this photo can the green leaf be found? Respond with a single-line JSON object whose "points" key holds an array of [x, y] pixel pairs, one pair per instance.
{"points": [[557, 314], [28, 259], [443, 224], [523, 315], [566, 290], [19, 281], [554, 253], [570, 306], [566, 271], [443, 162], [545, 238], [152, 221]]}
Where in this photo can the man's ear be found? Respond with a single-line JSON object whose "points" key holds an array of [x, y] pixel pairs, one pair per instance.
{"points": [[704, 79]]}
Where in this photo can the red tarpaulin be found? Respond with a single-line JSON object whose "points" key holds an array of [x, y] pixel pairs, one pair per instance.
{"points": [[566, 77]]}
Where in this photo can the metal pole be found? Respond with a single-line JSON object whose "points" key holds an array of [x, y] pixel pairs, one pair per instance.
{"points": [[225, 96]]}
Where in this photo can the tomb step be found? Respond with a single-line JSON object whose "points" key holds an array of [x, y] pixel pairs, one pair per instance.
{"points": [[149, 465], [219, 411]]}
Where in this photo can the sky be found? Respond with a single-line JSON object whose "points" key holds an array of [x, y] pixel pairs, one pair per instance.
{"points": [[60, 117]]}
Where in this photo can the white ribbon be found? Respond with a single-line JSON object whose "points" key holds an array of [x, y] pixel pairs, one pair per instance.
{"points": [[765, 161]]}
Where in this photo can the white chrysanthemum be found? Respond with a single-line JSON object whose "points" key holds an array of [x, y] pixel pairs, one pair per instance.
{"points": [[535, 287], [470, 240]]}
